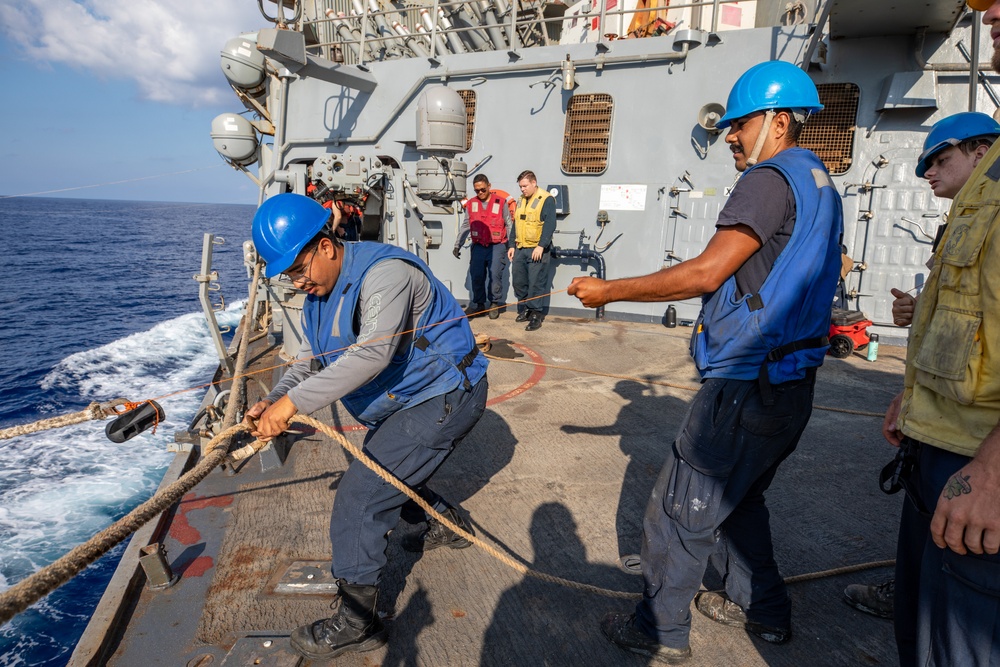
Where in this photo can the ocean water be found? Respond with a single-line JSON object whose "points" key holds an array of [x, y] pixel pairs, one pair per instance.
{"points": [[98, 303]]}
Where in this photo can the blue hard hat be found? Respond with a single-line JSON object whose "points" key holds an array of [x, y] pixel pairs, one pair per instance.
{"points": [[775, 84], [952, 131], [282, 226]]}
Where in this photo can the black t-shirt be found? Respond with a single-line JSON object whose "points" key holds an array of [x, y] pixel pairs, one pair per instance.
{"points": [[763, 201]]}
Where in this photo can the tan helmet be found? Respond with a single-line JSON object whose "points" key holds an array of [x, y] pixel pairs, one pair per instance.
{"points": [[979, 5]]}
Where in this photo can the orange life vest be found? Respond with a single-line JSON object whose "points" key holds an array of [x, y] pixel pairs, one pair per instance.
{"points": [[486, 225]]}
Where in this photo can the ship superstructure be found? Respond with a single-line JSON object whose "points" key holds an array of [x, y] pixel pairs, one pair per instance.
{"points": [[613, 106]]}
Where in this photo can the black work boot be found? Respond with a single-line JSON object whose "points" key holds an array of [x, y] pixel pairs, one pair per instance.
{"points": [[534, 321], [722, 610], [355, 627], [874, 599], [621, 630], [473, 310], [438, 535]]}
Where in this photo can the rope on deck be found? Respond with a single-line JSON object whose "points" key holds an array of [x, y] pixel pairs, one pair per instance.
{"points": [[424, 505], [359, 454], [94, 411]]}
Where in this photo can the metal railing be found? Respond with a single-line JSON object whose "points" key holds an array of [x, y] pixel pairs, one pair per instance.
{"points": [[360, 31]]}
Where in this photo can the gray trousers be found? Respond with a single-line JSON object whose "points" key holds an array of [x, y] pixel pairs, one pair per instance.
{"points": [[708, 505], [530, 280], [411, 444]]}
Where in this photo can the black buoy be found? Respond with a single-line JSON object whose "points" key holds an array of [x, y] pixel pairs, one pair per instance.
{"points": [[130, 424]]}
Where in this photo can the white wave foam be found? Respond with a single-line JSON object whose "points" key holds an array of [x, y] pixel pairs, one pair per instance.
{"points": [[59, 487]]}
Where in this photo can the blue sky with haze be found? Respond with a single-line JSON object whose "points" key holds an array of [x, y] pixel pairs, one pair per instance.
{"points": [[119, 96]]}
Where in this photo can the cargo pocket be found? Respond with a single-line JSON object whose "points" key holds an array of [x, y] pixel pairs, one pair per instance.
{"points": [[962, 246], [760, 421], [951, 367], [384, 405], [708, 442]]}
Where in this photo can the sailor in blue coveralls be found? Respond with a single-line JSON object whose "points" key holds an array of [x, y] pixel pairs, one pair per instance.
{"points": [[371, 323], [767, 280]]}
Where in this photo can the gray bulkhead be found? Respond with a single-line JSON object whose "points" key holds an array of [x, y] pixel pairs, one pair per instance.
{"points": [[657, 86]]}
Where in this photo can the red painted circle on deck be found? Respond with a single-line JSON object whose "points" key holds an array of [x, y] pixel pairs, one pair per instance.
{"points": [[535, 378]]}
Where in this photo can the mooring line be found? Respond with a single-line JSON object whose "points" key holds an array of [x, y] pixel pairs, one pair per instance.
{"points": [[25, 593], [36, 586]]}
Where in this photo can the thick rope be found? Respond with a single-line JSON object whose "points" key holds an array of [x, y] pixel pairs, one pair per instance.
{"points": [[31, 589], [27, 592], [94, 411], [412, 495], [504, 558]]}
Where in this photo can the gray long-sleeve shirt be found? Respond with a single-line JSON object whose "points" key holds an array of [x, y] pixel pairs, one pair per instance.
{"points": [[394, 294]]}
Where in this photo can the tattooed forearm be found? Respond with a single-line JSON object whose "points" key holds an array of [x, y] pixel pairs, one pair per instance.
{"points": [[956, 486]]}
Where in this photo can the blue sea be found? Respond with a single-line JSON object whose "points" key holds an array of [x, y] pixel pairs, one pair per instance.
{"points": [[98, 303]]}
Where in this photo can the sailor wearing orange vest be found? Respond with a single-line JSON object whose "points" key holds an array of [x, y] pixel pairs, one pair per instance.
{"points": [[488, 222], [534, 224]]}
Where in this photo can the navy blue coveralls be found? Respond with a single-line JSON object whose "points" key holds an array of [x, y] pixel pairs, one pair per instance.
{"points": [[757, 354]]}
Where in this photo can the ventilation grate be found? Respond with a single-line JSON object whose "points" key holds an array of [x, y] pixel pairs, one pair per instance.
{"points": [[587, 134], [469, 97], [830, 133]]}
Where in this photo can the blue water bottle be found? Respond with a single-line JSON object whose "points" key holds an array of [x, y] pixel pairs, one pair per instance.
{"points": [[873, 347]]}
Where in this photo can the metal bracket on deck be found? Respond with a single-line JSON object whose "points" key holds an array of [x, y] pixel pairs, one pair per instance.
{"points": [[304, 577], [154, 563], [273, 456], [269, 649]]}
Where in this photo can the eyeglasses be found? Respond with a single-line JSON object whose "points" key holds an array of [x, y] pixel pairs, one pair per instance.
{"points": [[297, 277], [480, 191]]}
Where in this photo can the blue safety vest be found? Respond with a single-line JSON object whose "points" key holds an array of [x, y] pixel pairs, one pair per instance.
{"points": [[782, 328], [439, 358]]}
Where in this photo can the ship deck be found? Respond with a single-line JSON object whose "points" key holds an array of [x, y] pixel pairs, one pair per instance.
{"points": [[556, 474]]}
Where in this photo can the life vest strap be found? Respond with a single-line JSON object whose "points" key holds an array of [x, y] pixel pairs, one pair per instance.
{"points": [[778, 353]]}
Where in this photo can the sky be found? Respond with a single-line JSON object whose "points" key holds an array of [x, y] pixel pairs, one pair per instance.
{"points": [[104, 99]]}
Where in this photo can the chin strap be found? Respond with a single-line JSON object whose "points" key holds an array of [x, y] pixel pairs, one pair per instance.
{"points": [[759, 145]]}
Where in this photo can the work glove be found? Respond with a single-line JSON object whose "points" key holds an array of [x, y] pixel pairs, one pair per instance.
{"points": [[457, 252]]}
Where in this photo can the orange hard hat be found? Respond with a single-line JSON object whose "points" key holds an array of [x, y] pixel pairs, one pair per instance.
{"points": [[979, 5]]}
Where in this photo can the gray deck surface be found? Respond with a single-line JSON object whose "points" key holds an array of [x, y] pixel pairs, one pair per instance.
{"points": [[558, 474]]}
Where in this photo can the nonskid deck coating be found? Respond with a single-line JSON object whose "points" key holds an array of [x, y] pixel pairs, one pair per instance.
{"points": [[557, 472]]}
